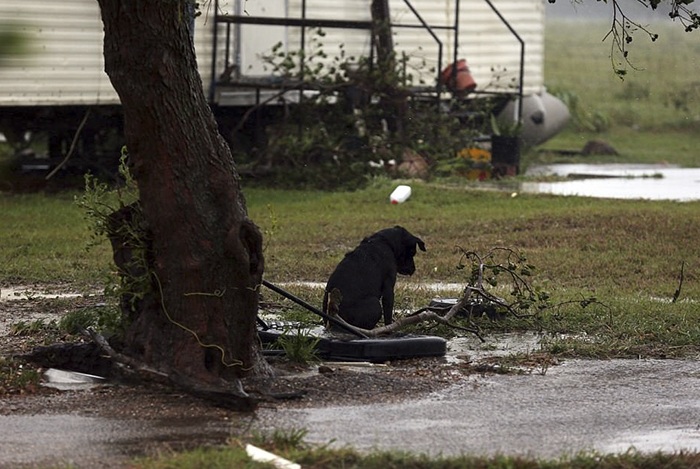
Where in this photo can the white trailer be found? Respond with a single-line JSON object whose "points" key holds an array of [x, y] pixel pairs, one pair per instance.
{"points": [[60, 84]]}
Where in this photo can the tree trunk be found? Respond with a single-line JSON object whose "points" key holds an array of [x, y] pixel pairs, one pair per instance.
{"points": [[206, 261], [395, 103]]}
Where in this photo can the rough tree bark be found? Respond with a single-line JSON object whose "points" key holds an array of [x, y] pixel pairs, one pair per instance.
{"points": [[207, 260], [396, 101]]}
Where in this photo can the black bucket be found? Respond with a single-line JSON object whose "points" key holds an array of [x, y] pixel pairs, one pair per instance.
{"points": [[505, 155]]}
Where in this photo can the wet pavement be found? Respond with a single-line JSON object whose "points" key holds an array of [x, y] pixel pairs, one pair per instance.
{"points": [[607, 406], [580, 405], [603, 406], [67, 440], [618, 181]]}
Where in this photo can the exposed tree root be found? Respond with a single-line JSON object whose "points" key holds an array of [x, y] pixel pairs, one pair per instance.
{"points": [[226, 394]]}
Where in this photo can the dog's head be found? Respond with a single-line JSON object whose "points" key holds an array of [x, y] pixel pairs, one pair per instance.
{"points": [[404, 245]]}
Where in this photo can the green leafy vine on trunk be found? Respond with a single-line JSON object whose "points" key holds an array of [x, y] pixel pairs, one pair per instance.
{"points": [[100, 203]]}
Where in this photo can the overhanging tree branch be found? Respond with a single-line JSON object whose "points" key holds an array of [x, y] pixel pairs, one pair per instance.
{"points": [[623, 27]]}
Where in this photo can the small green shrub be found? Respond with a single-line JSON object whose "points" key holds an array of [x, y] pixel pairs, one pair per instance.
{"points": [[106, 320], [356, 113], [100, 203], [30, 328], [298, 347], [583, 117]]}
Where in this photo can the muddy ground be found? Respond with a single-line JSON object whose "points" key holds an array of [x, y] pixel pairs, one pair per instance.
{"points": [[459, 404], [181, 421]]}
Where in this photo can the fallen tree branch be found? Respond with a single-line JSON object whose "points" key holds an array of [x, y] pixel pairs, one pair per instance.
{"points": [[476, 299], [127, 364], [72, 146], [422, 315]]}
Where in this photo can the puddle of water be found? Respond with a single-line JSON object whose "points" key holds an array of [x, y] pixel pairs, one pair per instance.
{"points": [[76, 441], [26, 293], [495, 345], [649, 182], [600, 170], [663, 439], [21, 293], [605, 406]]}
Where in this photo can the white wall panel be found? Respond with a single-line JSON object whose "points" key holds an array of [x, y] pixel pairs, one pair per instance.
{"points": [[65, 64], [64, 61], [484, 40]]}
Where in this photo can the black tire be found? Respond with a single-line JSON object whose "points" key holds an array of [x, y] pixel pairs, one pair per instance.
{"points": [[373, 349]]}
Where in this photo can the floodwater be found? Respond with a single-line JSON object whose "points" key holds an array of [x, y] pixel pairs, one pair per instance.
{"points": [[604, 406], [79, 441], [618, 181], [578, 406], [25, 293]]}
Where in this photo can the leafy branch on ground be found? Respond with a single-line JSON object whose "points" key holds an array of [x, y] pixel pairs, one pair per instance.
{"points": [[499, 269]]}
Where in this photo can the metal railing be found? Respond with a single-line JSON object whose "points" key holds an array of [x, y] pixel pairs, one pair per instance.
{"points": [[305, 22]]}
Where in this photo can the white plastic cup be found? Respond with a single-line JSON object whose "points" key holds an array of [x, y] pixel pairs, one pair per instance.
{"points": [[400, 194]]}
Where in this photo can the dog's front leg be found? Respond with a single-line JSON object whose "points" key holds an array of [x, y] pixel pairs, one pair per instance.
{"points": [[388, 304]]}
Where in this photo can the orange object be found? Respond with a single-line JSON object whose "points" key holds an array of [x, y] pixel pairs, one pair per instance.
{"points": [[460, 81]]}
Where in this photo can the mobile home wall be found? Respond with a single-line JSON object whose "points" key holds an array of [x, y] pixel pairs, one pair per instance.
{"points": [[64, 64], [491, 49]]}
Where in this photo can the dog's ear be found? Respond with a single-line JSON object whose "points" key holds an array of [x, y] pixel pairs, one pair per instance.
{"points": [[420, 244]]}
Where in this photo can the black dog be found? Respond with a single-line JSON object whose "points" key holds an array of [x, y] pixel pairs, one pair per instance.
{"points": [[362, 286]]}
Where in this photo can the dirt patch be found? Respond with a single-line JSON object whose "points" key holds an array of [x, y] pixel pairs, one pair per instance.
{"points": [[28, 321], [317, 385]]}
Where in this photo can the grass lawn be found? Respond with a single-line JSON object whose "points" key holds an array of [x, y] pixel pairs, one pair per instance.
{"points": [[652, 116], [626, 254]]}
